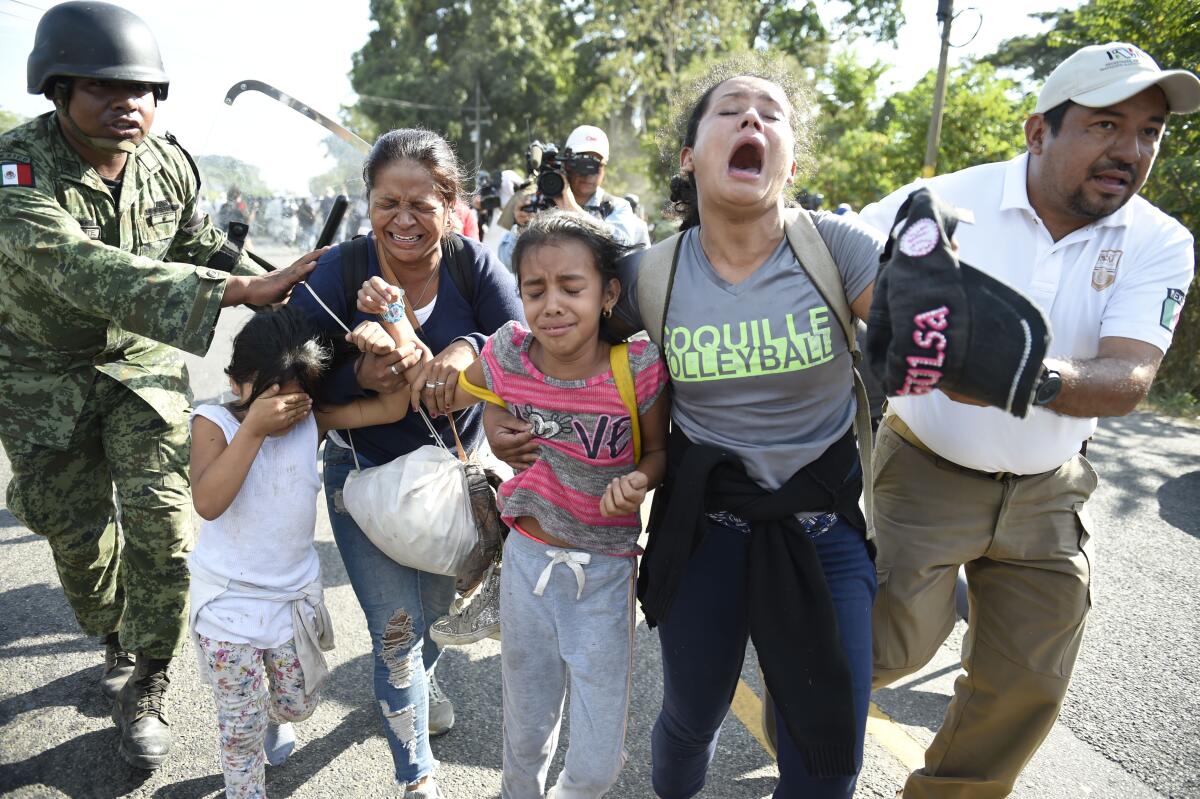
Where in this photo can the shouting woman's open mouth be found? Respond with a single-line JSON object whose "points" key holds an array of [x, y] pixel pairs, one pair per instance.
{"points": [[747, 159]]}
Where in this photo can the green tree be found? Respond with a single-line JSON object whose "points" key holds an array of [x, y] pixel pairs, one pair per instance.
{"points": [[422, 64], [648, 49], [543, 67], [345, 175], [1169, 30], [982, 121], [867, 153], [849, 134], [224, 172], [9, 120]]}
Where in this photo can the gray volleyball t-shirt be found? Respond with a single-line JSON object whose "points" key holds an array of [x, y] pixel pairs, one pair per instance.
{"points": [[761, 368]]}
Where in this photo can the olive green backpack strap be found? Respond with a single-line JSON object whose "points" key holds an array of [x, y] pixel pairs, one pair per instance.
{"points": [[816, 260], [656, 273]]}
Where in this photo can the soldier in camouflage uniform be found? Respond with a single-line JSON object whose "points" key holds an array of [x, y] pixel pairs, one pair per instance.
{"points": [[106, 267]]}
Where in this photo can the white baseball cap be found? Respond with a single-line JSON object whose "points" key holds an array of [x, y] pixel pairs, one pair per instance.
{"points": [[1106, 74], [588, 139]]}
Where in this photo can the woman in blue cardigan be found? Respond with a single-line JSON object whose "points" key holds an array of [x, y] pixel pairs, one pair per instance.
{"points": [[413, 180]]}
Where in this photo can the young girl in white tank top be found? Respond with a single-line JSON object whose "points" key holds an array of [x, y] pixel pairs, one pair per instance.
{"points": [[257, 612]]}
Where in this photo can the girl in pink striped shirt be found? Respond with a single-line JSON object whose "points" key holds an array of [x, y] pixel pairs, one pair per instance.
{"points": [[567, 586]]}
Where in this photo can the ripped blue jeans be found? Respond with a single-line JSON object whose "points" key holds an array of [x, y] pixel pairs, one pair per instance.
{"points": [[399, 603]]}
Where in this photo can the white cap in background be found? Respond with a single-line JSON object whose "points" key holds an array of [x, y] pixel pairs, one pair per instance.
{"points": [[588, 139]]}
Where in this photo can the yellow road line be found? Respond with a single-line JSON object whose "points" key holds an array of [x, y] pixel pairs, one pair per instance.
{"points": [[748, 708], [892, 737], [887, 733]]}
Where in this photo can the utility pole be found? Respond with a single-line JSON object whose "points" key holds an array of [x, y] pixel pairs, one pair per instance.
{"points": [[945, 15], [478, 126]]}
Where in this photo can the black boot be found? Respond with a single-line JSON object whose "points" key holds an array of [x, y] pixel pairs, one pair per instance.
{"points": [[118, 665], [140, 715]]}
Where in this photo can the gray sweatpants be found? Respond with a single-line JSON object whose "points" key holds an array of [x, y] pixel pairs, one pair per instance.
{"points": [[564, 611]]}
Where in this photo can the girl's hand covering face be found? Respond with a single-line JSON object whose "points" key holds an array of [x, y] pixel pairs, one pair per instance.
{"points": [[273, 412]]}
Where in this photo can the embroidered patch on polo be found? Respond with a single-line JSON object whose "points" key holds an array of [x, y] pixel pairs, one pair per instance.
{"points": [[14, 174], [1172, 307], [1104, 273]]}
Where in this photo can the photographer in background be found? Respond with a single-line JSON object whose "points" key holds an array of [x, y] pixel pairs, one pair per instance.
{"points": [[523, 210], [588, 147]]}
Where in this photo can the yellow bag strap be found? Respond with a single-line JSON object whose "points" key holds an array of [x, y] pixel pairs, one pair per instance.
{"points": [[618, 358], [485, 394]]}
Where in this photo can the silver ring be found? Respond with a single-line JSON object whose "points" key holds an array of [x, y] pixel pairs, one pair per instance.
{"points": [[429, 384], [440, 383], [394, 370]]}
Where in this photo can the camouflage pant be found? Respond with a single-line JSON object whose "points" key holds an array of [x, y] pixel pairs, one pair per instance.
{"points": [[121, 559]]}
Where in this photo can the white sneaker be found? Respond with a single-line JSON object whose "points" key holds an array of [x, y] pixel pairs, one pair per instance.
{"points": [[279, 743], [441, 710], [426, 790], [474, 622]]}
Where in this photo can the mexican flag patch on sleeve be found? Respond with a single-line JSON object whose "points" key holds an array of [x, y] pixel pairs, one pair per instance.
{"points": [[1172, 307], [15, 174]]}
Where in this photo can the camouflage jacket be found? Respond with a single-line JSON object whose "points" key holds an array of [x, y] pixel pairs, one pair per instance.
{"points": [[91, 286]]}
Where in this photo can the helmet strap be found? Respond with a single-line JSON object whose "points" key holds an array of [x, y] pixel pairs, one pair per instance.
{"points": [[61, 95]]}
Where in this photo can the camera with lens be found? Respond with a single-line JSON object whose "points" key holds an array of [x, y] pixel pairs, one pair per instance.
{"points": [[549, 171]]}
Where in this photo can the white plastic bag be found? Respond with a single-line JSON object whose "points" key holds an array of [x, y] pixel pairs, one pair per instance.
{"points": [[415, 509]]}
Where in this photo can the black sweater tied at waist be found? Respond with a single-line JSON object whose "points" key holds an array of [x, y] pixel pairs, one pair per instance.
{"points": [[792, 620]]}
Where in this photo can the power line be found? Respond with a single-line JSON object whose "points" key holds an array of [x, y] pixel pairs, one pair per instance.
{"points": [[371, 98], [30, 5]]}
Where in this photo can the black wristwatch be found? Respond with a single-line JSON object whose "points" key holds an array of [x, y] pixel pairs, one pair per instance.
{"points": [[1048, 387]]}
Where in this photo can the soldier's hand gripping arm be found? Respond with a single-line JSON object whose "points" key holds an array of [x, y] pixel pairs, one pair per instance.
{"points": [[175, 303]]}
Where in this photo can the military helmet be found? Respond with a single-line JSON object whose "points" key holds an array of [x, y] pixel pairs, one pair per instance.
{"points": [[83, 39]]}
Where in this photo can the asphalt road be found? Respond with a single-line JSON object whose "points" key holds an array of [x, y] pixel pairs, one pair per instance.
{"points": [[1129, 728]]}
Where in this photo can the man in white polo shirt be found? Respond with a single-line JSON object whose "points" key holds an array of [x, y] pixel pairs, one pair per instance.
{"points": [[956, 483]]}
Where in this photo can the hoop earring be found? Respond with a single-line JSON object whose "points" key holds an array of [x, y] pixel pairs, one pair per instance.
{"points": [[606, 313]]}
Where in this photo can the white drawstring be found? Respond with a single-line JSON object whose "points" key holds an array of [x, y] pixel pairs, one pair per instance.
{"points": [[575, 561], [332, 315]]}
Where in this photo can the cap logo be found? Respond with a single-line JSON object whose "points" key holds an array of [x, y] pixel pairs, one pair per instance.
{"points": [[1104, 273], [1121, 57], [1122, 54], [919, 238]]}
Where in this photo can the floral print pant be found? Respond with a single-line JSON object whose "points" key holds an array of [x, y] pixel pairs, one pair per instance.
{"points": [[252, 686]]}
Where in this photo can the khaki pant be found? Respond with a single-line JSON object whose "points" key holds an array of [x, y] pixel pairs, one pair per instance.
{"points": [[1024, 542]]}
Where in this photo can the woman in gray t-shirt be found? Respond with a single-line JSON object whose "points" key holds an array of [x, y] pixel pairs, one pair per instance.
{"points": [[760, 368], [762, 392]]}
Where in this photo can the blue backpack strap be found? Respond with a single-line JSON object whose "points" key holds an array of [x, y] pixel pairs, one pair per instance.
{"points": [[460, 265], [355, 267]]}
